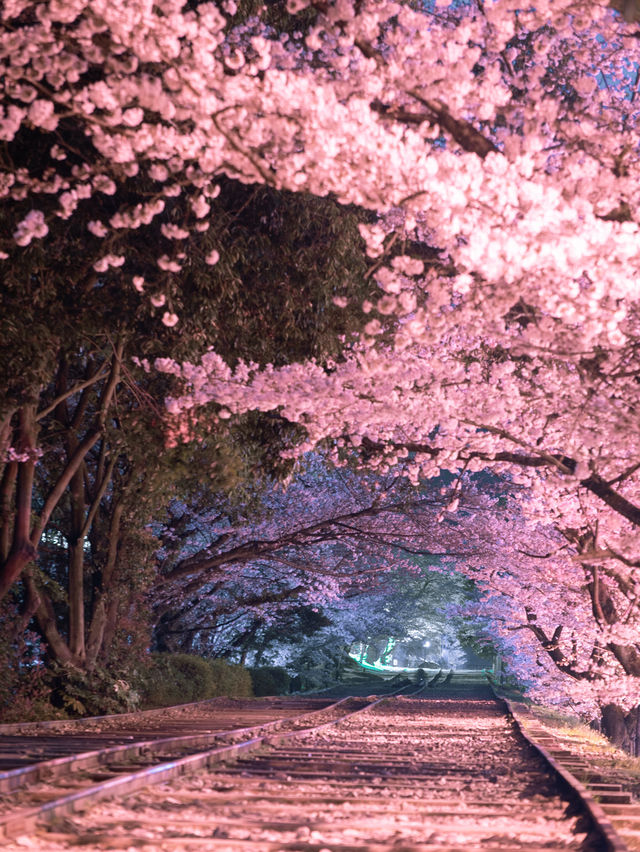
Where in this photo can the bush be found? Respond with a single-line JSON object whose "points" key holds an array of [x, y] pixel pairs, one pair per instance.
{"points": [[270, 680], [230, 679], [176, 679], [309, 681], [99, 692], [181, 678], [25, 691]]}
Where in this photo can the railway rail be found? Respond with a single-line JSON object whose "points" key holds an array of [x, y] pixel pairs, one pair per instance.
{"points": [[51, 769], [442, 768]]}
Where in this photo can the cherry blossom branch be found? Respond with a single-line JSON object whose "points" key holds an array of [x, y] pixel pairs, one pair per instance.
{"points": [[462, 131], [594, 483]]}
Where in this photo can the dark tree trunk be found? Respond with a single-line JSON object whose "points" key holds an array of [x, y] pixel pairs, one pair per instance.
{"points": [[622, 727]]}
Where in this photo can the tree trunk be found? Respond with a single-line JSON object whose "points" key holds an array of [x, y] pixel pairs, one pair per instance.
{"points": [[46, 618], [76, 568], [110, 625], [96, 630], [22, 550], [621, 727], [6, 431], [104, 613], [7, 487]]}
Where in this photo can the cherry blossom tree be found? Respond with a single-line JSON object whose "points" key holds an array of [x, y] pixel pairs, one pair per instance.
{"points": [[566, 616], [366, 552], [494, 147], [510, 339], [74, 207], [329, 533], [348, 543]]}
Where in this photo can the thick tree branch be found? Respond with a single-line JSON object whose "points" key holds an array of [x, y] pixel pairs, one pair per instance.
{"points": [[564, 464], [260, 547], [551, 646]]}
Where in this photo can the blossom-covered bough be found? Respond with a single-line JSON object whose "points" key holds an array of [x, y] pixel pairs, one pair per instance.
{"points": [[494, 147]]}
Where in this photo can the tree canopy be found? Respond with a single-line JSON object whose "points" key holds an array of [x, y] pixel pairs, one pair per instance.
{"points": [[404, 232]]}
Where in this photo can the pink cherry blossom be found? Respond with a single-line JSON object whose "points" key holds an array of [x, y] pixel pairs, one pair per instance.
{"points": [[169, 319], [97, 228], [31, 227]]}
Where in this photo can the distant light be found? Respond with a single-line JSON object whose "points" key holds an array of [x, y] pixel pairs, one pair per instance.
{"points": [[395, 662], [427, 644]]}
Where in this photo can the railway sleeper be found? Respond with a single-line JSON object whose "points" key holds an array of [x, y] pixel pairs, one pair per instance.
{"points": [[361, 778]]}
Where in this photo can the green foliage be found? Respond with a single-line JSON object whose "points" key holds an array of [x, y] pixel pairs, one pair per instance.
{"points": [[61, 692], [177, 679], [478, 643], [270, 680], [181, 678], [284, 257], [319, 662], [96, 693], [24, 691], [231, 679]]}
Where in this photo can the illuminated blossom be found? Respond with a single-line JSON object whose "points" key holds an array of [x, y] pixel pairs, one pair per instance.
{"points": [[41, 114], [169, 319], [174, 232], [109, 260], [97, 228], [168, 265], [31, 227]]}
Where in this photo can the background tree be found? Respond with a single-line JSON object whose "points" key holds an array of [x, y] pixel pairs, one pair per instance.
{"points": [[336, 553]]}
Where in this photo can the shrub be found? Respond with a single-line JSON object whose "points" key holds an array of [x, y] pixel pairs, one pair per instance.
{"points": [[176, 679], [99, 692], [181, 678], [270, 680], [230, 679], [24, 688]]}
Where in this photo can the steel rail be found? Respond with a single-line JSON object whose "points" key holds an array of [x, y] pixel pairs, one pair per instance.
{"points": [[12, 780], [576, 791], [324, 791], [19, 727], [15, 778], [27, 819], [10, 728]]}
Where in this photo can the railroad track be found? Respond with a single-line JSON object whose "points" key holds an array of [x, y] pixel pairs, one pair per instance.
{"points": [[403, 773], [52, 768], [30, 743]]}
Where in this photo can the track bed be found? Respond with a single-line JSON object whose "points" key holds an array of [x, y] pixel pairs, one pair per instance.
{"points": [[407, 774]]}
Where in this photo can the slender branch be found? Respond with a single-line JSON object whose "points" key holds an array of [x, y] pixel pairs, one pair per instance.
{"points": [[75, 389], [54, 496], [625, 474], [111, 385], [541, 555], [95, 504]]}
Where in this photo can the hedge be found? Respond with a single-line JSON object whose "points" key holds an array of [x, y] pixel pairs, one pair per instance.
{"points": [[181, 678]]}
